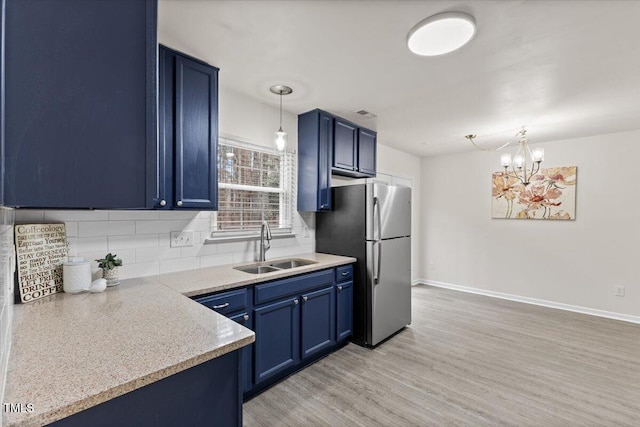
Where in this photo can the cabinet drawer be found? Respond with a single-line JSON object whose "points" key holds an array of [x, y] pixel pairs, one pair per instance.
{"points": [[294, 285], [226, 302], [344, 273]]}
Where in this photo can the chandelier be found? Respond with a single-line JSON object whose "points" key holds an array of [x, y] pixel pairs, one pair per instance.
{"points": [[525, 164]]}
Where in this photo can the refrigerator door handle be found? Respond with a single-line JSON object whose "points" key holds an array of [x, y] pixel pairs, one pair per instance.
{"points": [[377, 276], [376, 204]]}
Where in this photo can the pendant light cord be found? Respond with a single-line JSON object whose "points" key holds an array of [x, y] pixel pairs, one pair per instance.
{"points": [[280, 110]]}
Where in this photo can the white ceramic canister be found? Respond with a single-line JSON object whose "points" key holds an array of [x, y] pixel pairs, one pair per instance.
{"points": [[76, 275]]}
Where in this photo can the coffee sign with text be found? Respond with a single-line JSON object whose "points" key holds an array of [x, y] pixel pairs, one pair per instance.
{"points": [[40, 252]]}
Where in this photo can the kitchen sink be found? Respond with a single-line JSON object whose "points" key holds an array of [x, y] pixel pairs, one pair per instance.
{"points": [[256, 269], [292, 263], [269, 267]]}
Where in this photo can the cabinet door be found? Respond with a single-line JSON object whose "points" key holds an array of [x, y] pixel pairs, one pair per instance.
{"points": [[246, 352], [345, 139], [324, 168], [277, 345], [318, 321], [344, 306], [163, 191], [80, 97], [196, 135], [367, 152]]}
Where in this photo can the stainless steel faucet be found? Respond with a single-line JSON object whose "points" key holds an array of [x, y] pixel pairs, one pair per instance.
{"points": [[265, 234]]}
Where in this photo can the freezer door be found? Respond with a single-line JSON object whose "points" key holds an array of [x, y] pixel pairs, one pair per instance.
{"points": [[388, 211], [389, 281]]}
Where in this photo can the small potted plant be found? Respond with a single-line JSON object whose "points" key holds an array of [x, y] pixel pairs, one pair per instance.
{"points": [[110, 266]]}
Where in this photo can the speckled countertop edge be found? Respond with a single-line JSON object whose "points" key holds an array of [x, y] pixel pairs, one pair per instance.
{"points": [[208, 280], [188, 283]]}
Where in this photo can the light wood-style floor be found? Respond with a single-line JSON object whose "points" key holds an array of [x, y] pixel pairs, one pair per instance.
{"points": [[470, 360]]}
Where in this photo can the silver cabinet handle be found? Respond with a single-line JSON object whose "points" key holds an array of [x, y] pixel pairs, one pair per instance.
{"points": [[305, 298], [323, 206], [226, 304], [295, 301], [345, 273], [339, 288], [245, 317], [179, 203], [163, 203]]}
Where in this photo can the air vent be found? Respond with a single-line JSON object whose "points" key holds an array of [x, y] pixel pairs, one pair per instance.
{"points": [[366, 114]]}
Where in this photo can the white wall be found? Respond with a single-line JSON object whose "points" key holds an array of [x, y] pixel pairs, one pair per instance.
{"points": [[572, 262], [7, 265], [398, 163], [141, 238]]}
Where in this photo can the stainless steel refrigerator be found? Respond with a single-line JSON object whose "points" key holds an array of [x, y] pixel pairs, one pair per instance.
{"points": [[372, 222]]}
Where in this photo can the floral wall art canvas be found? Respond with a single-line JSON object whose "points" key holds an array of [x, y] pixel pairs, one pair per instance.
{"points": [[551, 194]]}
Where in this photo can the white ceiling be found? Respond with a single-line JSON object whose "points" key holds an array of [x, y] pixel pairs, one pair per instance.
{"points": [[563, 68]]}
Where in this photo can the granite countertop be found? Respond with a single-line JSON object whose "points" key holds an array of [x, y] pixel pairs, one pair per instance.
{"points": [[72, 352], [213, 279]]}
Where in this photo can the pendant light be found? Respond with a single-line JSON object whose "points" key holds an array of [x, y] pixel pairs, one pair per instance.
{"points": [[280, 137]]}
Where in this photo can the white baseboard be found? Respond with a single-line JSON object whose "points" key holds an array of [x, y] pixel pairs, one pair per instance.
{"points": [[534, 301]]}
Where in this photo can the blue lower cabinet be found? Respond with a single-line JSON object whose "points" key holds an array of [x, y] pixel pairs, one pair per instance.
{"points": [[208, 394], [247, 352], [344, 308], [277, 345], [297, 320], [318, 321]]}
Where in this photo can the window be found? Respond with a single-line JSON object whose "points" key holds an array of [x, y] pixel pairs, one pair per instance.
{"points": [[254, 183]]}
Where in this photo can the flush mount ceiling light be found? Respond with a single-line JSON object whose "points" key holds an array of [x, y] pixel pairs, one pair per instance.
{"points": [[441, 33], [280, 137]]}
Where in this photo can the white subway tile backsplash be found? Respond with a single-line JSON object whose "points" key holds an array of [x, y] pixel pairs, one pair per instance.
{"points": [[106, 228], [142, 239], [140, 269], [179, 264], [79, 245], [161, 226], [133, 215], [200, 224], [164, 240], [214, 260], [29, 216], [244, 257], [79, 215], [172, 215], [246, 246], [127, 256], [133, 242], [71, 228], [155, 254], [199, 250]]}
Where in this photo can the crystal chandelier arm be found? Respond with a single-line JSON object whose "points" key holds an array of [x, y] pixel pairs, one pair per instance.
{"points": [[470, 138]]}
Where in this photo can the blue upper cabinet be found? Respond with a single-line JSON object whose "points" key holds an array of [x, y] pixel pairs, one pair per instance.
{"points": [[345, 145], [328, 144], [80, 91], [367, 152], [315, 146], [187, 159], [354, 150]]}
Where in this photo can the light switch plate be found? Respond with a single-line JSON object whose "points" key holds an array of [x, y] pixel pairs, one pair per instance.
{"points": [[180, 239]]}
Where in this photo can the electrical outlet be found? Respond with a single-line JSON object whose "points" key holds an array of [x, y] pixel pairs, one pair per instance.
{"points": [[432, 265], [180, 239], [619, 291]]}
